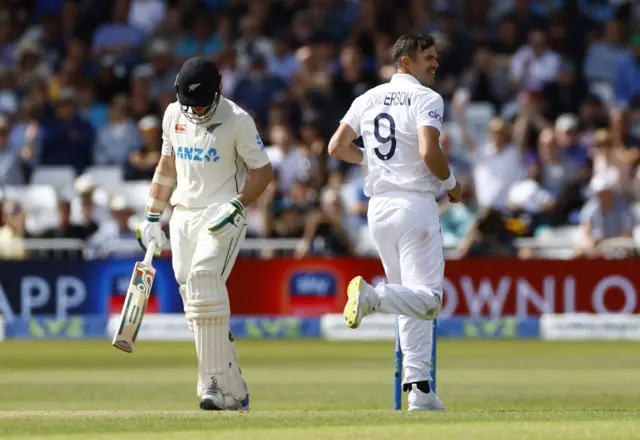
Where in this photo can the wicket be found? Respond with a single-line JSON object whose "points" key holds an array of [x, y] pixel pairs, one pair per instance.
{"points": [[397, 384]]}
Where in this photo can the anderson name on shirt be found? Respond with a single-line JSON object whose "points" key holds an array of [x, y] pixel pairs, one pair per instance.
{"points": [[390, 99]]}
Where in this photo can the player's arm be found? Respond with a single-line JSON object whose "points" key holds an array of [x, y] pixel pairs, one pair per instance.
{"points": [[249, 146], [162, 184], [251, 149], [429, 124], [341, 143], [164, 178]]}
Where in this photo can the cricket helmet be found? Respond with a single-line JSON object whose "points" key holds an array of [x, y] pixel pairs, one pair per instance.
{"points": [[198, 84]]}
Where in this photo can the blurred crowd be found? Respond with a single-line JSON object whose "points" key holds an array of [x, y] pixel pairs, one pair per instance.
{"points": [[542, 111]]}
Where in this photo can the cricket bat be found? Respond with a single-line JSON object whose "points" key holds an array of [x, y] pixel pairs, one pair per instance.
{"points": [[135, 302]]}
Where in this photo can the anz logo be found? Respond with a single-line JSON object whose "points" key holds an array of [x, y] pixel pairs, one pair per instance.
{"points": [[197, 154]]}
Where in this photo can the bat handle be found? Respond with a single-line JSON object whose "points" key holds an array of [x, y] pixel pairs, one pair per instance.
{"points": [[151, 249]]}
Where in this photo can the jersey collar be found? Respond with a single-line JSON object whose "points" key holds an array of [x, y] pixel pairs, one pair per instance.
{"points": [[404, 77]]}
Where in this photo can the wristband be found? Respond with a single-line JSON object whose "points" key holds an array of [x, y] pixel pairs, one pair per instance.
{"points": [[162, 180], [450, 182], [237, 203], [153, 217]]}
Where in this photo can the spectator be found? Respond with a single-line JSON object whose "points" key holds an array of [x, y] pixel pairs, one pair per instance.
{"points": [[84, 210], [11, 172], [65, 228], [142, 102], [564, 94], [96, 113], [202, 42], [288, 221], [259, 216], [109, 241], [251, 45], [529, 203], [169, 30], [351, 80], [257, 89], [26, 136], [142, 162], [31, 66], [67, 139], [164, 71], [69, 77], [8, 31], [312, 83], [525, 19], [77, 50], [147, 14], [606, 215], [593, 115], [358, 203], [608, 159], [13, 232], [625, 129], [119, 138], [534, 64], [229, 71], [455, 52], [118, 38], [325, 232], [483, 80], [289, 161], [495, 166], [69, 20], [8, 97], [48, 35], [110, 79], [576, 153], [556, 168], [605, 55], [506, 42], [283, 62], [458, 221], [627, 82], [458, 164]]}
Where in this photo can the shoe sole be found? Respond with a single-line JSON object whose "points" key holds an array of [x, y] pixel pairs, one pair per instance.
{"points": [[208, 405], [351, 311], [413, 409]]}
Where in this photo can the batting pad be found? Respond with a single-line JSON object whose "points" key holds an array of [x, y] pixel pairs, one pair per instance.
{"points": [[207, 307]]}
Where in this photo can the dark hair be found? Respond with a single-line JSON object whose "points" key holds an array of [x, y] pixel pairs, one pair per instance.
{"points": [[409, 45]]}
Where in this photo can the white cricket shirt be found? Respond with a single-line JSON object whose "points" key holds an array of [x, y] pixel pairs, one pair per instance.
{"points": [[212, 159], [388, 117]]}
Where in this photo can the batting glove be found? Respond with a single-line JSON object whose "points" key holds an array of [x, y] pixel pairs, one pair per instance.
{"points": [[227, 220], [151, 229]]}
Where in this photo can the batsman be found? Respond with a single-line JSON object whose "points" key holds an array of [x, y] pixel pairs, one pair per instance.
{"points": [[213, 155]]}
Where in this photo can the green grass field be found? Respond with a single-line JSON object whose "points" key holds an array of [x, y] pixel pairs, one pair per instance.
{"points": [[516, 390]]}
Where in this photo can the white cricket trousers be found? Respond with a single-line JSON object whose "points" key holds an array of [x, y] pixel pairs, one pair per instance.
{"points": [[194, 248], [406, 231]]}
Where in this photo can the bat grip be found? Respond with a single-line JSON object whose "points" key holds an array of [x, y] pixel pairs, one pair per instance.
{"points": [[151, 249]]}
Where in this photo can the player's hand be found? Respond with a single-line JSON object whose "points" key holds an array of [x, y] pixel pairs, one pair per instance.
{"points": [[227, 220], [455, 193], [151, 229]]}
